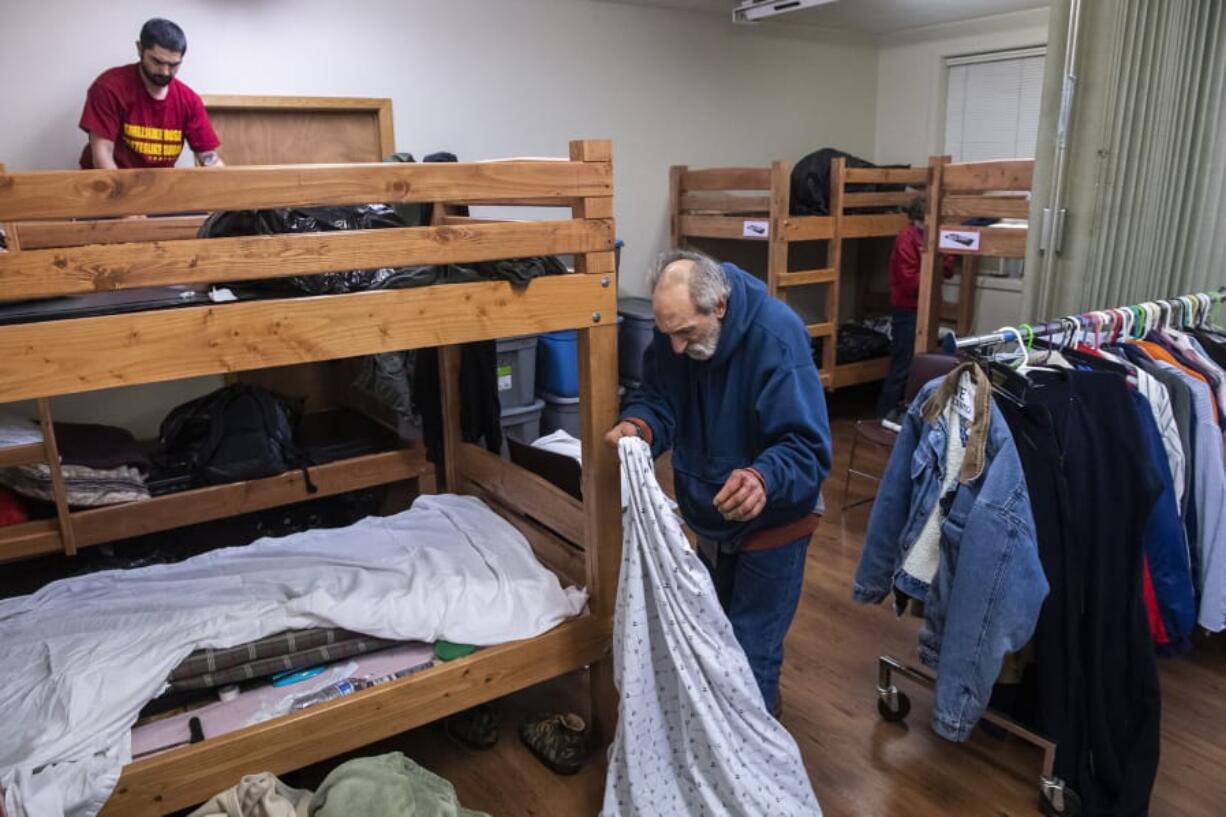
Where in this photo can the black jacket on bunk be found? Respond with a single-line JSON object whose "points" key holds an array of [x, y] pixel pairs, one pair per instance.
{"points": [[480, 409]]}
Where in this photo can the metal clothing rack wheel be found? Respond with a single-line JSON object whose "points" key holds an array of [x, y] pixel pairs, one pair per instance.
{"points": [[1056, 798]]}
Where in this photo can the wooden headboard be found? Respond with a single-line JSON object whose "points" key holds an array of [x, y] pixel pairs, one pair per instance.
{"points": [[278, 130]]}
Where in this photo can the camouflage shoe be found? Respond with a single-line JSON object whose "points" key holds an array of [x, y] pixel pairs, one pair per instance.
{"points": [[476, 728], [559, 740]]}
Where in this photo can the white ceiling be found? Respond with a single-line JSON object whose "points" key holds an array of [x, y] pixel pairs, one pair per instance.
{"points": [[868, 16]]}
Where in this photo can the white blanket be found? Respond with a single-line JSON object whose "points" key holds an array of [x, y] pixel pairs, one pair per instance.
{"points": [[693, 736], [82, 656]]}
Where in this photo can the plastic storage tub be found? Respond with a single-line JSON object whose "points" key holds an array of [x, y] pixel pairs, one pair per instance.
{"points": [[522, 423], [557, 363], [560, 412], [516, 371], [634, 336]]}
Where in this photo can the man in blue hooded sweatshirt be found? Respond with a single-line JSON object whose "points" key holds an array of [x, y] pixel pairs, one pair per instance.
{"points": [[730, 386]]}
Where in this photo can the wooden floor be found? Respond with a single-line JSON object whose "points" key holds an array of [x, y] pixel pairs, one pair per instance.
{"points": [[860, 766]]}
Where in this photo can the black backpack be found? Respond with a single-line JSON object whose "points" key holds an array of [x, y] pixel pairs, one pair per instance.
{"points": [[235, 433]]}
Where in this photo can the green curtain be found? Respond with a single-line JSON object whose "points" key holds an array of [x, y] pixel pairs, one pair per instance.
{"points": [[1146, 156]]}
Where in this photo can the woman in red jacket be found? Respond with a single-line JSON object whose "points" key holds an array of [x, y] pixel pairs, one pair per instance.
{"points": [[905, 259]]}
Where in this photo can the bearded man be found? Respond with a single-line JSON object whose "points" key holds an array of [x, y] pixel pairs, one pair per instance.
{"points": [[139, 115], [730, 387]]}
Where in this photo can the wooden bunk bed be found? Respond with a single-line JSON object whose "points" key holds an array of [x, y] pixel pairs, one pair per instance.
{"points": [[754, 204], [960, 191], [581, 541]]}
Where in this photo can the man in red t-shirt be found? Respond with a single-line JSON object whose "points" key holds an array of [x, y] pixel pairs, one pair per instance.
{"points": [[138, 115]]}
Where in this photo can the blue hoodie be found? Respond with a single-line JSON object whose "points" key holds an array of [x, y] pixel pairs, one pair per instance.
{"points": [[757, 403]]}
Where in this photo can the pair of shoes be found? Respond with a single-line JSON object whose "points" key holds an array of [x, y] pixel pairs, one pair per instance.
{"points": [[559, 740], [476, 728], [893, 420]]}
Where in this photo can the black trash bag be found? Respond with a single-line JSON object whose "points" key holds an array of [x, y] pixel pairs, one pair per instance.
{"points": [[811, 182], [519, 271], [309, 220], [857, 342]]}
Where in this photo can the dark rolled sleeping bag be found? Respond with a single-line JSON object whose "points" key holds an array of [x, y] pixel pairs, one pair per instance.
{"points": [[811, 182]]}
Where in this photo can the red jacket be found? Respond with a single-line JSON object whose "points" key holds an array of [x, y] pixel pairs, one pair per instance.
{"points": [[905, 268]]}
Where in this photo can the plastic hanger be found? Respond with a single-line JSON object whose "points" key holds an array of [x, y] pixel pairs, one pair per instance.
{"points": [[1074, 328], [1138, 316], [1128, 320], [1018, 358]]}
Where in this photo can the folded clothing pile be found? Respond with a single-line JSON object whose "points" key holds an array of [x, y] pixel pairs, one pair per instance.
{"points": [[102, 465], [364, 787]]}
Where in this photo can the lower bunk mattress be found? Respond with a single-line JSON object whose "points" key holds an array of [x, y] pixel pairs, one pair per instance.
{"points": [[84, 655]]}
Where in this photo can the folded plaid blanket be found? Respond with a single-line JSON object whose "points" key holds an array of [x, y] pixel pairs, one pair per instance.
{"points": [[290, 650]]}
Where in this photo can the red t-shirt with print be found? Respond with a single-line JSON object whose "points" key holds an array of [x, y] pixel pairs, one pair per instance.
{"points": [[147, 132]]}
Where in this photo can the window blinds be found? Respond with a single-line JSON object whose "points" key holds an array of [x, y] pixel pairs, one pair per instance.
{"points": [[992, 105]]}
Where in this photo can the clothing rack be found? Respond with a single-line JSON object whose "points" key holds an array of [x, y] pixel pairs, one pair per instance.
{"points": [[1096, 321], [1056, 796]]}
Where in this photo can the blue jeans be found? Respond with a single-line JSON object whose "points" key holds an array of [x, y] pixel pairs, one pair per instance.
{"points": [[759, 590], [902, 349]]}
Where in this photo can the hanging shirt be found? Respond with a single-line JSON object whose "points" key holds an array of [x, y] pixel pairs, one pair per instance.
{"points": [[694, 736], [1209, 484], [147, 132], [1159, 400], [1160, 354]]}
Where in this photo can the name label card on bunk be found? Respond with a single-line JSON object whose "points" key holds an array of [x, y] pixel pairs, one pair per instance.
{"points": [[965, 240], [755, 229]]}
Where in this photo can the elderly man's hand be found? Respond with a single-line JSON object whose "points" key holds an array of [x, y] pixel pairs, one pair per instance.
{"points": [[743, 496], [622, 429]]}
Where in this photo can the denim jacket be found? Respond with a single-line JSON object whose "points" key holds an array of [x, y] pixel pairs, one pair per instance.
{"points": [[983, 601]]}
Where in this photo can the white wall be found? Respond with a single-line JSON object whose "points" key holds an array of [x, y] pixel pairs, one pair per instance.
{"points": [[911, 78], [482, 78]]}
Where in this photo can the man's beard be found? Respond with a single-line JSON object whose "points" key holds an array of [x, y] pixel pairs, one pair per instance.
{"points": [[159, 80], [704, 349]]}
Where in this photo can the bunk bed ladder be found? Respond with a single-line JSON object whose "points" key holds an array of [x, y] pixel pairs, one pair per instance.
{"points": [[781, 278]]}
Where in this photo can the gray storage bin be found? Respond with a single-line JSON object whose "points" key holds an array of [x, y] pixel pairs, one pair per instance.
{"points": [[516, 371], [563, 413], [634, 336], [560, 412], [522, 423]]}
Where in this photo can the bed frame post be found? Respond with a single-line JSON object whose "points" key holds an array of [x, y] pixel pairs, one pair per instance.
{"points": [[928, 308], [966, 293], [777, 243], [12, 242], [834, 261], [675, 174], [68, 539], [449, 396], [602, 529]]}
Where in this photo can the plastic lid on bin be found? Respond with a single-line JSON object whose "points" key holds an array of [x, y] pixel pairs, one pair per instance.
{"points": [[636, 309], [517, 411], [556, 400]]}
